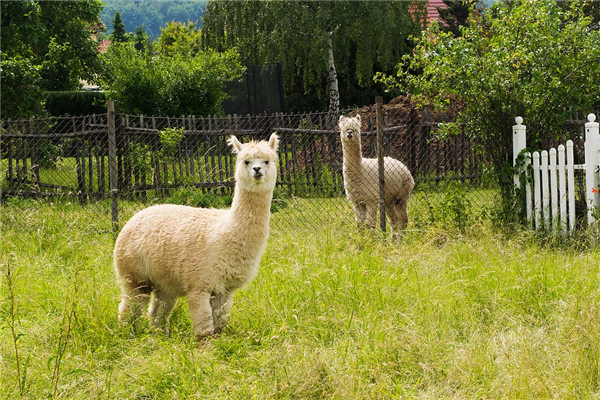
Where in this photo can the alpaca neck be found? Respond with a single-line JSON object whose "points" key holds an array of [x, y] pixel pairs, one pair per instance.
{"points": [[352, 159], [250, 210]]}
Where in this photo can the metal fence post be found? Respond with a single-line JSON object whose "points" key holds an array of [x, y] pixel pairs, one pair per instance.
{"points": [[380, 163], [112, 166]]}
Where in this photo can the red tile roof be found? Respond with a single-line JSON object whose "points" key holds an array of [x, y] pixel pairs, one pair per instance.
{"points": [[432, 12]]}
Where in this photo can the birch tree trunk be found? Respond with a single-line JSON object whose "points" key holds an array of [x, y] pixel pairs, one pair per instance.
{"points": [[334, 93]]}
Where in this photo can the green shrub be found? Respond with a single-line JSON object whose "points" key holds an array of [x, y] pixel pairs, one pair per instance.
{"points": [[142, 83]]}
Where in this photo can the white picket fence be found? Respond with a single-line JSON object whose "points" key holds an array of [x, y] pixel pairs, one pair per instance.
{"points": [[550, 192]]}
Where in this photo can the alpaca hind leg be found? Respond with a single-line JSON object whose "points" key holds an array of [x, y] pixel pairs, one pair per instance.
{"points": [[135, 296], [393, 215], [221, 307], [160, 309], [401, 209], [371, 219], [201, 313]]}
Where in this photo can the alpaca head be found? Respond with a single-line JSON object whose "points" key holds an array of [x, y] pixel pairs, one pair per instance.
{"points": [[350, 129], [256, 166]]}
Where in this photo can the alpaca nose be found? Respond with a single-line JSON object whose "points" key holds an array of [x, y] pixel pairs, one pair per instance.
{"points": [[257, 171]]}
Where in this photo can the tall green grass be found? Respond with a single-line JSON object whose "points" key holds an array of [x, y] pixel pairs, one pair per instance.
{"points": [[333, 313]]}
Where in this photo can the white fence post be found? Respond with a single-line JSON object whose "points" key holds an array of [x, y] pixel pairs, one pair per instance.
{"points": [[545, 189], [571, 184], [520, 143], [592, 159], [537, 195], [553, 187], [562, 187]]}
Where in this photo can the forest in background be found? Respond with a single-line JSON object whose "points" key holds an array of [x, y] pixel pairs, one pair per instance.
{"points": [[152, 14]]}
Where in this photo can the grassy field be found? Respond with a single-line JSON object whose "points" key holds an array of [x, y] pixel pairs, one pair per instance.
{"points": [[333, 313]]}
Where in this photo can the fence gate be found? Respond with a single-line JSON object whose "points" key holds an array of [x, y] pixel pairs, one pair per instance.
{"points": [[550, 179]]}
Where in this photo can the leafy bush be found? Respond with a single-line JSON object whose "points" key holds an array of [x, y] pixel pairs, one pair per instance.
{"points": [[48, 154], [142, 83], [170, 139]]}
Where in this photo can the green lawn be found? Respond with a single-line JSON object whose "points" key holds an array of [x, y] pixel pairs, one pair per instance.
{"points": [[333, 313]]}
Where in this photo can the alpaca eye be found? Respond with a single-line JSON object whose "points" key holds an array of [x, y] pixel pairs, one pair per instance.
{"points": [[247, 162], [266, 163]]}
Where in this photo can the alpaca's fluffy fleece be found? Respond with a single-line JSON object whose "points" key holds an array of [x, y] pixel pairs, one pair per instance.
{"points": [[361, 180], [168, 251]]}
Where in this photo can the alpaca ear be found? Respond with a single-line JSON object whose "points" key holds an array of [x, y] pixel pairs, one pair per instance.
{"points": [[358, 117], [274, 141], [235, 144]]}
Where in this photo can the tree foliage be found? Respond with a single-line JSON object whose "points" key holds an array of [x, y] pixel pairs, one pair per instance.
{"points": [[174, 84], [456, 14], [46, 45], [179, 38], [153, 15], [532, 59], [367, 37], [119, 33], [140, 39]]}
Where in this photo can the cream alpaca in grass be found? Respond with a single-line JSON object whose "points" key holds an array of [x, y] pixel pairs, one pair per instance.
{"points": [[361, 180], [168, 251]]}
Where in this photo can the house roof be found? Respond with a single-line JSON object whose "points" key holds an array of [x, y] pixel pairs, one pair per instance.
{"points": [[431, 9], [432, 12]]}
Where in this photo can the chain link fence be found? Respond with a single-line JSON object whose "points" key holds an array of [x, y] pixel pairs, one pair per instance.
{"points": [[63, 164]]}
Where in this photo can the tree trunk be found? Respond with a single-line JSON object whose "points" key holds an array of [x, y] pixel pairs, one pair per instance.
{"points": [[334, 93]]}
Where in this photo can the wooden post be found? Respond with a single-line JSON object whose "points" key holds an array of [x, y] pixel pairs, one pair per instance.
{"points": [[380, 163], [112, 166]]}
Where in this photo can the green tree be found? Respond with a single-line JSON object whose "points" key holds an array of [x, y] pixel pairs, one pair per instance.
{"points": [[119, 33], [144, 83], [532, 59], [46, 45], [321, 45], [179, 38], [456, 14], [140, 39]]}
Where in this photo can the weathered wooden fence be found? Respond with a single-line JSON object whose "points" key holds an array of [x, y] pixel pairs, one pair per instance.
{"points": [[70, 155], [116, 158], [550, 184]]}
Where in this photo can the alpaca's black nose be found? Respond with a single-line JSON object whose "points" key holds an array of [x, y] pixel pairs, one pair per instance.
{"points": [[257, 169]]}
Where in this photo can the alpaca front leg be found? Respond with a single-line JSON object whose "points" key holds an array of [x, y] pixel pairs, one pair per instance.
{"points": [[221, 307], [360, 212], [201, 313]]}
